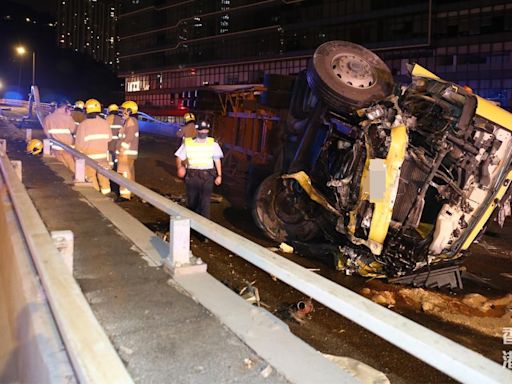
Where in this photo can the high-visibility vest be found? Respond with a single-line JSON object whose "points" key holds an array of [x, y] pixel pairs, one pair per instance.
{"points": [[199, 154]]}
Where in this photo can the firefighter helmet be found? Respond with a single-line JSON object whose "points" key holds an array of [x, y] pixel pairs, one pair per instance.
{"points": [[79, 104], [35, 147], [130, 106], [92, 105], [112, 108], [202, 124], [189, 116]]}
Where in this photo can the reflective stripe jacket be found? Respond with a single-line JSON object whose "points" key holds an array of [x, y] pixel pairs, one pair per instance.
{"points": [[199, 155], [78, 117], [59, 125], [92, 137], [116, 123], [128, 143]]}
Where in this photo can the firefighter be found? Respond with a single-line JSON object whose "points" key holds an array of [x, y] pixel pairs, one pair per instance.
{"points": [[59, 125], [189, 128], [77, 113], [92, 138], [198, 160], [116, 123], [128, 145]]}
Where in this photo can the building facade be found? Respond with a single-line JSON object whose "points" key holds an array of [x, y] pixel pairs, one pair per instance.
{"points": [[167, 47], [90, 27]]}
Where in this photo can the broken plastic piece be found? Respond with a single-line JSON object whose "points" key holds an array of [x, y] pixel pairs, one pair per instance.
{"points": [[285, 248]]}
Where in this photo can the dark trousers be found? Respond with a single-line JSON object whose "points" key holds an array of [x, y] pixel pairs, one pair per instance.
{"points": [[199, 187]]}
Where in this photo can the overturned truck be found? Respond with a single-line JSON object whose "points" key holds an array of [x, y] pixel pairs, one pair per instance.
{"points": [[395, 179]]}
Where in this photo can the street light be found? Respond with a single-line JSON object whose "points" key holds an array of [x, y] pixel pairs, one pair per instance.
{"points": [[21, 51]]}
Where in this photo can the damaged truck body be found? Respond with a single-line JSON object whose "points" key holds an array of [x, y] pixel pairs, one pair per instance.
{"points": [[389, 179]]}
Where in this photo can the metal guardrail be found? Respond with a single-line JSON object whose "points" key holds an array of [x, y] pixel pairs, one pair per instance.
{"points": [[438, 351], [93, 357]]}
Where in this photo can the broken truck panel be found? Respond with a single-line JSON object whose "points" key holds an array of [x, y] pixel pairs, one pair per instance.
{"points": [[398, 178]]}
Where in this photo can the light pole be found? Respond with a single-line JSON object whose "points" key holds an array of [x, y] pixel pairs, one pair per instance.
{"points": [[21, 51]]}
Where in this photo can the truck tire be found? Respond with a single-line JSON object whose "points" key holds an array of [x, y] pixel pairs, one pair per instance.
{"points": [[277, 217], [347, 76]]}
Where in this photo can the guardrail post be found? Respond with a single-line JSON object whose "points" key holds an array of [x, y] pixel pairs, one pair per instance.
{"points": [[3, 146], [181, 261], [16, 165], [47, 148], [28, 134], [64, 242], [79, 171]]}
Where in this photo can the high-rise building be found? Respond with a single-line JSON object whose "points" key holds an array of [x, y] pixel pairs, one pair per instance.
{"points": [[89, 26], [167, 46]]}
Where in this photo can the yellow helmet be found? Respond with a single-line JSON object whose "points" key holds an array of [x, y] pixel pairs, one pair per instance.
{"points": [[130, 106], [189, 116], [79, 104], [92, 105], [35, 147], [112, 108]]}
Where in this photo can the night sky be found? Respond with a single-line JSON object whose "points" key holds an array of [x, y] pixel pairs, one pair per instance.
{"points": [[59, 72], [43, 6]]}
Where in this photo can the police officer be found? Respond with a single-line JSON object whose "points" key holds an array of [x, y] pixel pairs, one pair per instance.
{"points": [[198, 160], [128, 145], [59, 125], [116, 123], [92, 138], [189, 128]]}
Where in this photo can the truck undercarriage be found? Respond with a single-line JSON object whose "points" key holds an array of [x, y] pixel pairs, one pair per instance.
{"points": [[393, 179]]}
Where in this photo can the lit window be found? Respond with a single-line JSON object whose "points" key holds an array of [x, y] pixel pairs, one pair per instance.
{"points": [[133, 86]]}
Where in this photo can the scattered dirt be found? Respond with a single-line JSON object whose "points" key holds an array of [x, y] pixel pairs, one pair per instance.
{"points": [[475, 311]]}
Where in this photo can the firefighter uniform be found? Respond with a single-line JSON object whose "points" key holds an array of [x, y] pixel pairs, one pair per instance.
{"points": [[116, 123], [59, 125], [128, 146], [92, 138], [77, 114], [203, 169], [189, 128]]}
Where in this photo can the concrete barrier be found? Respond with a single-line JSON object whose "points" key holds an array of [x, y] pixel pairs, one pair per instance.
{"points": [[31, 350]]}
